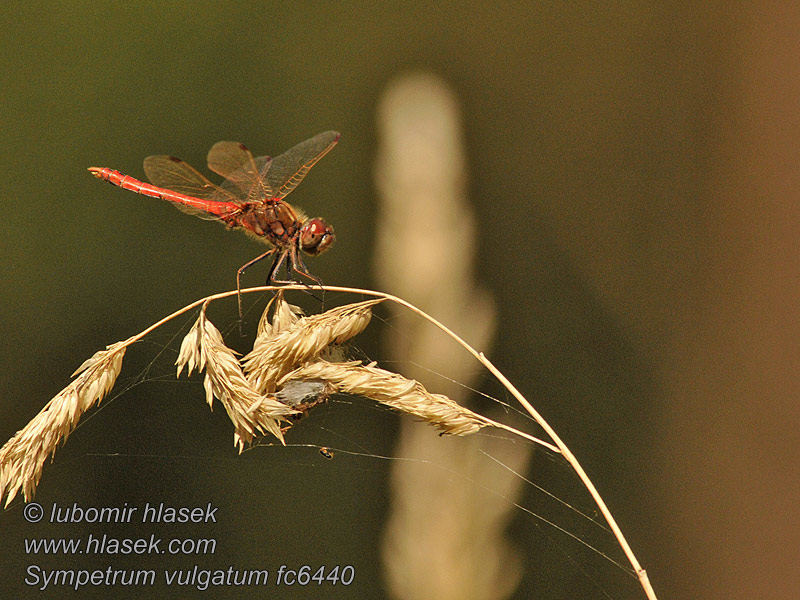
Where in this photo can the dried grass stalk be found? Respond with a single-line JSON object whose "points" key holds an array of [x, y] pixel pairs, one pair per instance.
{"points": [[275, 354], [288, 340], [284, 315], [250, 412], [391, 389], [22, 457], [442, 539]]}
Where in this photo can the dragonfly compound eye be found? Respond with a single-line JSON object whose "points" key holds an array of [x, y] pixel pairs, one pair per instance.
{"points": [[316, 236]]}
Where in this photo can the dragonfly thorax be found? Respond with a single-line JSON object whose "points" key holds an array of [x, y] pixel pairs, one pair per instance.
{"points": [[275, 221]]}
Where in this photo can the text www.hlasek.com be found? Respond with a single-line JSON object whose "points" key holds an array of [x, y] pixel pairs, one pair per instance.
{"points": [[110, 545]]}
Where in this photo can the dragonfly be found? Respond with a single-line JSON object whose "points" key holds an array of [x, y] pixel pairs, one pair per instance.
{"points": [[251, 197]]}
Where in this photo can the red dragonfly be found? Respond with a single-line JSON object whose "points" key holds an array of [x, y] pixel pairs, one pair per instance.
{"points": [[251, 197]]}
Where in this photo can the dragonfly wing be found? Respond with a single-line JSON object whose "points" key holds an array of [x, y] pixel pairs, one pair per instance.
{"points": [[176, 175], [286, 171], [242, 174], [225, 158]]}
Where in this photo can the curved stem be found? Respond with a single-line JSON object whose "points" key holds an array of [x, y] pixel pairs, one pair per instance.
{"points": [[562, 447]]}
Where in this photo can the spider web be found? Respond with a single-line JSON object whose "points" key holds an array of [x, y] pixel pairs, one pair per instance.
{"points": [[157, 442]]}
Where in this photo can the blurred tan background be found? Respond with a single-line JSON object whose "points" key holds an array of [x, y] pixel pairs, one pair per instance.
{"points": [[635, 176]]}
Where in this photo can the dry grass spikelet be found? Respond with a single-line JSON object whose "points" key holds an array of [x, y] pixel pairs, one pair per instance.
{"points": [[284, 315], [395, 391], [250, 412], [277, 353], [22, 457]]}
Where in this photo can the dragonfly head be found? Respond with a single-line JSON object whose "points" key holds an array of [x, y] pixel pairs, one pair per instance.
{"points": [[316, 236]]}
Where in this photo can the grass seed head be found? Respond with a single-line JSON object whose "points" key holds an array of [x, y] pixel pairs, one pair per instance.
{"points": [[22, 457], [250, 412], [305, 339], [395, 391]]}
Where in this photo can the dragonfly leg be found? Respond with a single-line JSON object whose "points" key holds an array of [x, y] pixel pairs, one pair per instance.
{"points": [[245, 267], [276, 266], [297, 265]]}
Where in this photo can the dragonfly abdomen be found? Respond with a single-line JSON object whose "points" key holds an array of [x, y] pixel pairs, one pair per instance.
{"points": [[126, 182]]}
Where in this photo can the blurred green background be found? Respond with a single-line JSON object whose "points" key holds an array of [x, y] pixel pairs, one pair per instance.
{"points": [[634, 171]]}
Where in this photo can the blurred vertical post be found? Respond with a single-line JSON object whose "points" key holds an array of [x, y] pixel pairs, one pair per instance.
{"points": [[444, 539]]}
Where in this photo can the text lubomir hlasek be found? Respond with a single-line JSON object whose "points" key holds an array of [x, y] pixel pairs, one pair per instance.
{"points": [[150, 513]]}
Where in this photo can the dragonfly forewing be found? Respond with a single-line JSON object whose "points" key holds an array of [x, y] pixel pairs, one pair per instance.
{"points": [[286, 171]]}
